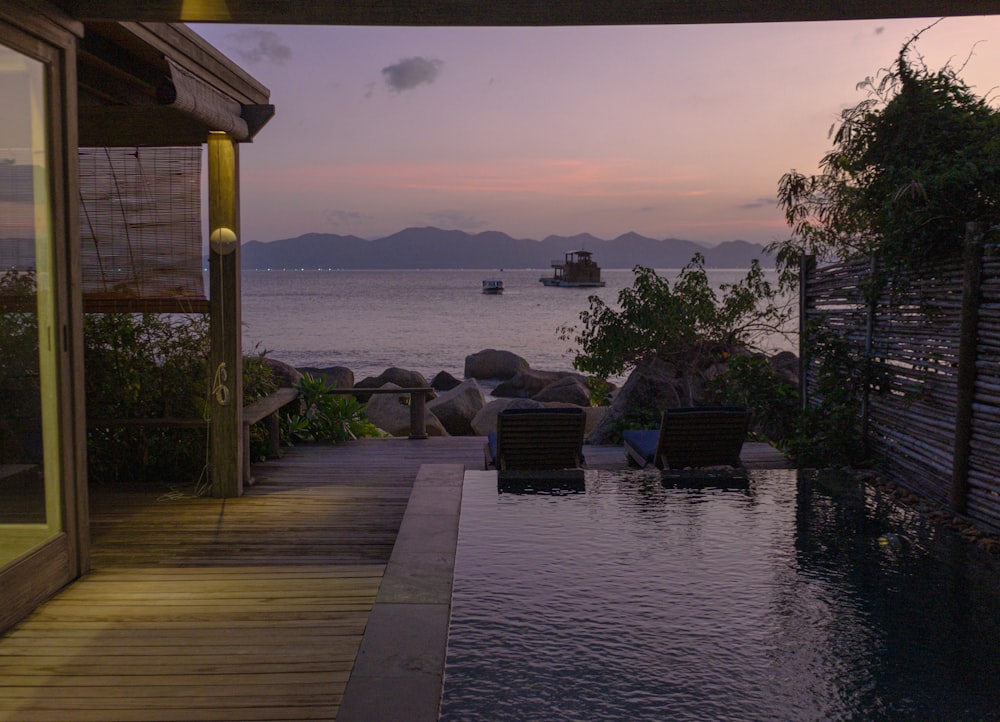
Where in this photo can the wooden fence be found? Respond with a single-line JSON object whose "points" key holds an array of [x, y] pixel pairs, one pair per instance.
{"points": [[931, 349]]}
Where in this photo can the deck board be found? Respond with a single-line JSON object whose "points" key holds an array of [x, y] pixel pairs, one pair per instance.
{"points": [[229, 609]]}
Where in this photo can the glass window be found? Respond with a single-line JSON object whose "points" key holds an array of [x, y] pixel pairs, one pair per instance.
{"points": [[30, 509]]}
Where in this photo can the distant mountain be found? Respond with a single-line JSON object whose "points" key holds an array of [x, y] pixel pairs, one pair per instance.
{"points": [[436, 248]]}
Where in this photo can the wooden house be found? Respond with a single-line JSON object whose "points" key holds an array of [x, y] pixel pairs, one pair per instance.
{"points": [[79, 75]]}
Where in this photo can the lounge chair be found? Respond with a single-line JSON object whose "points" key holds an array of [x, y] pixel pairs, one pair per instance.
{"points": [[537, 440], [691, 437]]}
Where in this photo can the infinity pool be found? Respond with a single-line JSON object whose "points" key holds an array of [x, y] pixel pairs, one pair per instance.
{"points": [[793, 598]]}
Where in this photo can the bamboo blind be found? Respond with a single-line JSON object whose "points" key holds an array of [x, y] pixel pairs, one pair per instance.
{"points": [[912, 341], [140, 228]]}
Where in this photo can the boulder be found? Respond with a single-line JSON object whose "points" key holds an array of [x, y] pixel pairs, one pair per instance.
{"points": [[391, 413], [444, 381], [485, 421], [456, 408], [492, 364], [651, 387], [340, 377], [284, 374], [786, 365], [527, 382], [571, 389], [403, 378]]}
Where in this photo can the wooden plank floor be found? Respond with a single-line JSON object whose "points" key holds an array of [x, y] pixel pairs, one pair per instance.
{"points": [[229, 609]]}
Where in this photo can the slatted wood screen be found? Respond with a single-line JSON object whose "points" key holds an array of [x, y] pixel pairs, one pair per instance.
{"points": [[140, 229], [912, 338]]}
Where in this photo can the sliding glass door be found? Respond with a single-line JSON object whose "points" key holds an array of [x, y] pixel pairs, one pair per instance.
{"points": [[31, 508]]}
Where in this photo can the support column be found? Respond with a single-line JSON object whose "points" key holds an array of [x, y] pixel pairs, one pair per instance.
{"points": [[968, 350], [226, 355]]}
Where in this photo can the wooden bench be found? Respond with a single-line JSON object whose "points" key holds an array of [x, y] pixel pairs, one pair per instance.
{"points": [[264, 408]]}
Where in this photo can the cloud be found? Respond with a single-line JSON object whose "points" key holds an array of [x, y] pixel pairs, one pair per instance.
{"points": [[411, 72], [760, 203], [342, 220], [256, 46], [457, 220]]}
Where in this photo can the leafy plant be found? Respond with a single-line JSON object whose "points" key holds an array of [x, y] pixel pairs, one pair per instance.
{"points": [[328, 416], [911, 164], [750, 381], [679, 324]]}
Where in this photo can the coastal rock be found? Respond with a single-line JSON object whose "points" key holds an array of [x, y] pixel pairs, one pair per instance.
{"points": [[570, 389], [284, 374], [528, 382], [485, 421], [651, 387], [492, 364], [403, 378], [444, 381], [456, 408], [786, 365], [339, 377], [391, 413]]}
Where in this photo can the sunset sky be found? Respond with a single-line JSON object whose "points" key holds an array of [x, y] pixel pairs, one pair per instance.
{"points": [[668, 131]]}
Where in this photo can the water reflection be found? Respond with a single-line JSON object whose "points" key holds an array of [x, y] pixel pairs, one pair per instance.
{"points": [[794, 598]]}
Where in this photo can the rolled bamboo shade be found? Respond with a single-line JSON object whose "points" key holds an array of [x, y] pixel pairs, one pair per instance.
{"points": [[140, 229]]}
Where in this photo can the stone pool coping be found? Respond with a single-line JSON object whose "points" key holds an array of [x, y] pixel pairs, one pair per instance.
{"points": [[399, 671]]}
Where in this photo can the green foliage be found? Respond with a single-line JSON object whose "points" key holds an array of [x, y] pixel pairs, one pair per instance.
{"points": [[911, 165], [828, 433], [154, 366], [20, 416], [677, 324], [750, 381], [328, 416]]}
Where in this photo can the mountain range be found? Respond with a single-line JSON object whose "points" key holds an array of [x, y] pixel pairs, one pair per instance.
{"points": [[444, 249]]}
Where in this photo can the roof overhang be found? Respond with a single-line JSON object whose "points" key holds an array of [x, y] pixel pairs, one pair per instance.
{"points": [[517, 12], [161, 84]]}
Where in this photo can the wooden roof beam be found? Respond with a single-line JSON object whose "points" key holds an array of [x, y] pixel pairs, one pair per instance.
{"points": [[516, 12]]}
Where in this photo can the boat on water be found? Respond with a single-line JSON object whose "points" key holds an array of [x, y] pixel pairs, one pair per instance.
{"points": [[493, 286], [576, 270]]}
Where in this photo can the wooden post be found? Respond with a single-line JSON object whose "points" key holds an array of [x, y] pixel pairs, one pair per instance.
{"points": [[806, 265], [417, 407], [967, 353], [870, 303], [226, 355]]}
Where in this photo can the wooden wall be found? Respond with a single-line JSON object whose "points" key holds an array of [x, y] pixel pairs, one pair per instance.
{"points": [[917, 407]]}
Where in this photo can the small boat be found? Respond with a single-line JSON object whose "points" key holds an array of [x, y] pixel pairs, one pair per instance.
{"points": [[493, 286], [577, 270]]}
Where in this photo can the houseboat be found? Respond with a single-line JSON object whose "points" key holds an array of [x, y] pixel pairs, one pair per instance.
{"points": [[493, 286], [576, 270]]}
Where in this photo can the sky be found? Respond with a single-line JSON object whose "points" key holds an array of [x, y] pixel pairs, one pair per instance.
{"points": [[666, 131]]}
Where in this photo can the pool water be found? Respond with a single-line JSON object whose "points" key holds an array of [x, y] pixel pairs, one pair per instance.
{"points": [[796, 597]]}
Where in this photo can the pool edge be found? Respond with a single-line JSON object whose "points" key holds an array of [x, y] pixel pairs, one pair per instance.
{"points": [[399, 670]]}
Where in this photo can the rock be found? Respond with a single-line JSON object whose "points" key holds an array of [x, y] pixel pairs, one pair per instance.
{"points": [[456, 408], [786, 365], [492, 364], [595, 414], [391, 413], [444, 381], [571, 389], [485, 421], [651, 387], [284, 374], [403, 378], [339, 377], [528, 382]]}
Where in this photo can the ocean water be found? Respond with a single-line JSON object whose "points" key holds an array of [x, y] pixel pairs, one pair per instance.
{"points": [[427, 321]]}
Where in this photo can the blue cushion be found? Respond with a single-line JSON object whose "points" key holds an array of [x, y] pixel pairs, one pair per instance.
{"points": [[491, 441], [643, 441]]}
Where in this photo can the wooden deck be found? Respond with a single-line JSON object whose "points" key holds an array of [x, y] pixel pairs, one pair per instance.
{"points": [[230, 609]]}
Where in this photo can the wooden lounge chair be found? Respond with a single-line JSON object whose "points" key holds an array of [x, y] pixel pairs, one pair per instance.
{"points": [[537, 440], [691, 437]]}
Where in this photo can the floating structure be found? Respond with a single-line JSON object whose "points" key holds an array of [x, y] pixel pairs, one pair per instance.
{"points": [[576, 270], [493, 286]]}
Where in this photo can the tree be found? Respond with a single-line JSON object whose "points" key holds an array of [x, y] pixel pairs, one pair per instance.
{"points": [[911, 165], [680, 324]]}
